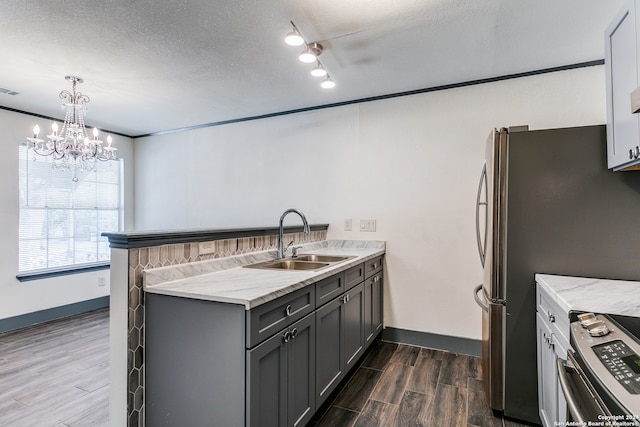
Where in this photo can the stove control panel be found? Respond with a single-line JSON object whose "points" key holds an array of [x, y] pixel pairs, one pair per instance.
{"points": [[622, 363], [611, 356]]}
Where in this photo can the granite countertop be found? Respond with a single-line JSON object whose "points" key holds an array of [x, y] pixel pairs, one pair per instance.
{"points": [[593, 295], [231, 283]]}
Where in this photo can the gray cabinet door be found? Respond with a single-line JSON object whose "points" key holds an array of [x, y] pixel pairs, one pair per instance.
{"points": [[373, 293], [281, 377], [353, 325], [329, 348], [266, 399], [301, 361]]}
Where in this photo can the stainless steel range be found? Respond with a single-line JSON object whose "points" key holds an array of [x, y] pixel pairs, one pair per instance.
{"points": [[601, 376]]}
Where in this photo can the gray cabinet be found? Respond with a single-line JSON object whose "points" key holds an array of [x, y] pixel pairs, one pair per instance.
{"points": [[269, 318], [281, 377], [329, 288], [194, 362], [621, 68], [339, 339], [212, 363], [373, 294]]}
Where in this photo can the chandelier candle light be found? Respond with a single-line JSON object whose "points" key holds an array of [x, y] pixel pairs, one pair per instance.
{"points": [[72, 149]]}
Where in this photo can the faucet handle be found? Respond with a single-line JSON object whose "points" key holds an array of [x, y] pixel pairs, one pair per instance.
{"points": [[295, 251], [284, 251]]}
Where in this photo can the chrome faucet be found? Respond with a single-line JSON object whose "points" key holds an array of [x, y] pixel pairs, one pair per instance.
{"points": [[281, 249]]}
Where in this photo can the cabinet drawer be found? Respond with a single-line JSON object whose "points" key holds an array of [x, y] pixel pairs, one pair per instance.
{"points": [[353, 276], [269, 318], [550, 310], [329, 288], [372, 266]]}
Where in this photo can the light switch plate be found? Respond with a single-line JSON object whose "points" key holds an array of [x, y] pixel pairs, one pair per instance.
{"points": [[367, 225]]}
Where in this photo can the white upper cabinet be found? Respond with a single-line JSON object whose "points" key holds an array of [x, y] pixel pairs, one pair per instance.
{"points": [[621, 64]]}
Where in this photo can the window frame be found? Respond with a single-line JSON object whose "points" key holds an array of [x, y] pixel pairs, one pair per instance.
{"points": [[76, 210]]}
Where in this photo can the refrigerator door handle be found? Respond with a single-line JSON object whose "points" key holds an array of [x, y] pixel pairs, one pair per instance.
{"points": [[482, 244], [483, 303]]}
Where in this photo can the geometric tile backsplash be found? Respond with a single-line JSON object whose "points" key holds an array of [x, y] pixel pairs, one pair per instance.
{"points": [[173, 254]]}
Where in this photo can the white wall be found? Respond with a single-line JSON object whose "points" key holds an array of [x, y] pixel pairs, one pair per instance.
{"points": [[17, 298], [412, 163]]}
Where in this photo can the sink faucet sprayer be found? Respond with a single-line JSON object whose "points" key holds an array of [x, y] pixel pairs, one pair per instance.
{"points": [[281, 249]]}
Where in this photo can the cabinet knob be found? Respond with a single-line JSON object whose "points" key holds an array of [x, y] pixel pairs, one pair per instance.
{"points": [[637, 153], [294, 333], [288, 310], [287, 336], [345, 299], [552, 317], [630, 154], [375, 279], [374, 265]]}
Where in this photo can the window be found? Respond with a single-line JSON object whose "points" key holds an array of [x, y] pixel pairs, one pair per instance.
{"points": [[61, 221]]}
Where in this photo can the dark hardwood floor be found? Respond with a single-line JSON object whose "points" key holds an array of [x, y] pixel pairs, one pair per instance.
{"points": [[401, 385], [57, 375]]}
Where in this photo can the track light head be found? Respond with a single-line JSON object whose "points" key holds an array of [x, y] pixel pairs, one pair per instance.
{"points": [[328, 83], [318, 70], [294, 38], [311, 53]]}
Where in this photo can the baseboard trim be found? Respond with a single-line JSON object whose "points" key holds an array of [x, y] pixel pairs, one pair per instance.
{"points": [[435, 341], [29, 319]]}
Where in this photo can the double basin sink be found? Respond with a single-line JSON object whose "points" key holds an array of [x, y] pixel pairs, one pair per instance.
{"points": [[309, 262]]}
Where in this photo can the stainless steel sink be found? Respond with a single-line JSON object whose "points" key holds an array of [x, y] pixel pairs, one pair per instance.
{"points": [[290, 265], [308, 262], [321, 258]]}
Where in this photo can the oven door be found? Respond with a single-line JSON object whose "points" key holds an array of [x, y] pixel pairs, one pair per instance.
{"points": [[583, 403]]}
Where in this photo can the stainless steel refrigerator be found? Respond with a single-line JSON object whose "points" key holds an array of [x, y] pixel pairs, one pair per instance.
{"points": [[546, 204]]}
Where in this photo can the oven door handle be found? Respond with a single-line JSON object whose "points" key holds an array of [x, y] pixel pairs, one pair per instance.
{"points": [[572, 405], [570, 397]]}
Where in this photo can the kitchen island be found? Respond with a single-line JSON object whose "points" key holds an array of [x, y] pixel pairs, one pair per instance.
{"points": [[230, 345]]}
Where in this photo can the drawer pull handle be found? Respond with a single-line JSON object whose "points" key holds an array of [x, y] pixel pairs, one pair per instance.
{"points": [[287, 336], [551, 316], [294, 333], [375, 279], [288, 310], [374, 265], [345, 299]]}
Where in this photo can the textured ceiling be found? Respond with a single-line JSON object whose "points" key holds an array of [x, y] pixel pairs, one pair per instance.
{"points": [[152, 66]]}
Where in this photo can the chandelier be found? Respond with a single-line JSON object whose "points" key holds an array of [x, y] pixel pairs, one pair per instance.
{"points": [[71, 148]]}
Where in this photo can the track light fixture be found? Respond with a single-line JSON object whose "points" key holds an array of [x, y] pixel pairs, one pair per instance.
{"points": [[309, 55]]}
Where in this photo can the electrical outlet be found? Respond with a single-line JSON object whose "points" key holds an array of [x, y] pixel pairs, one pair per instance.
{"points": [[205, 248], [102, 282], [347, 224], [367, 225]]}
